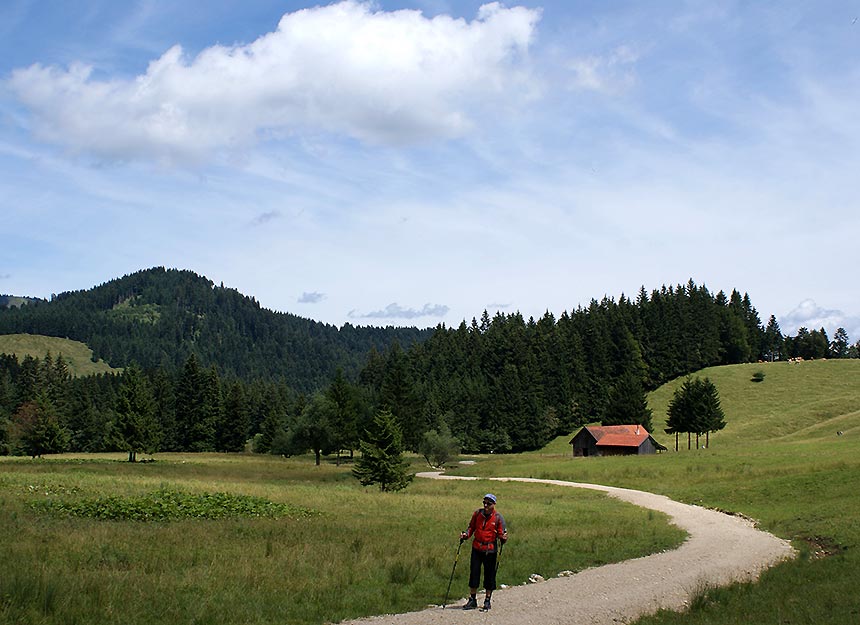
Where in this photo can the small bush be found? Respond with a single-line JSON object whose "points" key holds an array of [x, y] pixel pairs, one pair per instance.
{"points": [[758, 376]]}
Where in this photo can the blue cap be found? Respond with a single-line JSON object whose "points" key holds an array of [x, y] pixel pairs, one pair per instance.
{"points": [[491, 497]]}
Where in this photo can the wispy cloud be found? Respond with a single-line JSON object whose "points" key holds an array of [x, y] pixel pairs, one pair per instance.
{"points": [[379, 77], [396, 311], [611, 73], [311, 298], [264, 218]]}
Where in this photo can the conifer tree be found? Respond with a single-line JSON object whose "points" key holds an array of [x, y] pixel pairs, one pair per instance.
{"points": [[272, 427], [695, 409], [381, 461], [195, 432], [839, 345], [628, 404], [136, 428], [232, 431], [399, 396], [344, 418], [37, 429], [773, 340]]}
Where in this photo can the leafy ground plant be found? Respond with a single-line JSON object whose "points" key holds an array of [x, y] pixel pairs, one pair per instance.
{"points": [[170, 505]]}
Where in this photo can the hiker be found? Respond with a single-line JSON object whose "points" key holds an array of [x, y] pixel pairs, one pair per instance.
{"points": [[489, 531]]}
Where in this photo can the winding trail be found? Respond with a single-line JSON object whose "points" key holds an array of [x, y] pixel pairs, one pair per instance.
{"points": [[720, 549]]}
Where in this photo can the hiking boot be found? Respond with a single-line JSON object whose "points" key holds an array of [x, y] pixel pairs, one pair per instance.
{"points": [[487, 605], [471, 604]]}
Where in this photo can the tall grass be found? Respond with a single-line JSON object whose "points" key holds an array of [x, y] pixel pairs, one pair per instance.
{"points": [[365, 553]]}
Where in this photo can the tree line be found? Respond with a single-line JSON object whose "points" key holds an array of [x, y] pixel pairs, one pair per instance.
{"points": [[43, 409], [504, 383], [498, 384]]}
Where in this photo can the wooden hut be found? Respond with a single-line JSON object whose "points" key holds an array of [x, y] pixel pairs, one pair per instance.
{"points": [[614, 440]]}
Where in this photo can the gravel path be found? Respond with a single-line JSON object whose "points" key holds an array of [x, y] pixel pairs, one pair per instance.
{"points": [[720, 549]]}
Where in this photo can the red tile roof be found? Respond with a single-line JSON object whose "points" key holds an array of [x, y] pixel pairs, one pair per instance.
{"points": [[618, 435]]}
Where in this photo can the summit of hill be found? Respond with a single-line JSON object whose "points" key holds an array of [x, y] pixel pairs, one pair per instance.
{"points": [[158, 317]]}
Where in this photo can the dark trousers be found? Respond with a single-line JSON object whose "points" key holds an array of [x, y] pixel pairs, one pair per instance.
{"points": [[488, 561]]}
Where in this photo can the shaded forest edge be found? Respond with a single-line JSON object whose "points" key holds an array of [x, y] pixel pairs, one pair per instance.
{"points": [[209, 369]]}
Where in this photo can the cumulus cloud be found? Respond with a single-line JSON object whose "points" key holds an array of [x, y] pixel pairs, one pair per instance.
{"points": [[811, 316], [382, 77], [311, 298], [395, 311]]}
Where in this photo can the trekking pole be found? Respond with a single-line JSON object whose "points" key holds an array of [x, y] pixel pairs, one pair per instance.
{"points": [[499, 557], [454, 568]]}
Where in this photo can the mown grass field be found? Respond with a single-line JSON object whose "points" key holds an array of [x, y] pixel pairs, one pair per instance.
{"points": [[78, 356], [780, 461]]}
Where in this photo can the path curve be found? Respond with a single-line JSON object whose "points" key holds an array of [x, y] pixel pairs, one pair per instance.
{"points": [[720, 549]]}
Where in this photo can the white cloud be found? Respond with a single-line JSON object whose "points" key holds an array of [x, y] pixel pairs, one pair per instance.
{"points": [[811, 316], [311, 298], [611, 73], [379, 77], [396, 311]]}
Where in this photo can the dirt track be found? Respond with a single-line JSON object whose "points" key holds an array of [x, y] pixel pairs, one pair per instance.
{"points": [[720, 549]]}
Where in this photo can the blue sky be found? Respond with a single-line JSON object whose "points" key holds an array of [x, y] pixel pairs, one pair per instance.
{"points": [[411, 163]]}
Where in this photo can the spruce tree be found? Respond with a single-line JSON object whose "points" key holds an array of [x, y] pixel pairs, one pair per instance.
{"points": [[381, 460], [695, 409], [344, 417], [232, 431], [136, 428], [628, 404], [839, 344], [37, 429], [713, 418]]}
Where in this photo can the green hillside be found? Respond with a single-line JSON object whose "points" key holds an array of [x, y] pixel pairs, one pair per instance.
{"points": [[780, 461], [78, 356], [795, 401]]}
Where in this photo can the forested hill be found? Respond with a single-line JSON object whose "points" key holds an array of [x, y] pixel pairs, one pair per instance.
{"points": [[158, 317]]}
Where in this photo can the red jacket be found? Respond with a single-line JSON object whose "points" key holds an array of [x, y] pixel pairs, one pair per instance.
{"points": [[486, 529]]}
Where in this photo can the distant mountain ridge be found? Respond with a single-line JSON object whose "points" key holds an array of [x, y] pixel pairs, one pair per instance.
{"points": [[157, 317]]}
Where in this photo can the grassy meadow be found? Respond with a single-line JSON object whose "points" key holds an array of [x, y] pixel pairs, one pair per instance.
{"points": [[780, 461], [354, 551], [77, 355], [358, 551]]}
